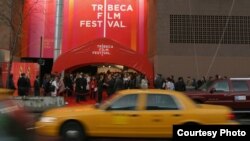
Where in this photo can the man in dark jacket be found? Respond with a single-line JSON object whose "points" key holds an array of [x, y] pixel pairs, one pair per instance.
{"points": [[158, 83], [22, 85], [80, 87], [180, 85], [36, 86]]}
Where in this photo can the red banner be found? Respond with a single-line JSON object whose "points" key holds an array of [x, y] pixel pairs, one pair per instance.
{"points": [[122, 21], [39, 23]]}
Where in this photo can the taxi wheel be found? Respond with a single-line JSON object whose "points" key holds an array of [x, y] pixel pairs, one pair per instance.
{"points": [[72, 131]]}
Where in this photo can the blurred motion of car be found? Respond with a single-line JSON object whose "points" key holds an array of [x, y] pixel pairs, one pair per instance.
{"points": [[135, 113], [14, 119]]}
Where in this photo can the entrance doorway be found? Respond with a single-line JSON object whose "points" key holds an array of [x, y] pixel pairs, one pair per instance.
{"points": [[90, 53], [94, 69], [115, 77]]}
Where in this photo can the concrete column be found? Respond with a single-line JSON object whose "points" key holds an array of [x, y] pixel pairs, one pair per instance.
{"points": [[58, 28]]}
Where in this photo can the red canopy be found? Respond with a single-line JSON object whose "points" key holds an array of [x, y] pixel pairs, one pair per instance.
{"points": [[103, 51]]}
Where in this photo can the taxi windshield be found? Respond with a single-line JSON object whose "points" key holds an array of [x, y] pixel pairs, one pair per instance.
{"points": [[106, 102]]}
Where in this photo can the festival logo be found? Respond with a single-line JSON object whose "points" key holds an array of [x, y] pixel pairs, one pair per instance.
{"points": [[118, 20], [103, 49], [123, 21]]}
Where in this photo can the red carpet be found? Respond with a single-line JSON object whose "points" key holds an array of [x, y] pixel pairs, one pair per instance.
{"points": [[71, 101]]}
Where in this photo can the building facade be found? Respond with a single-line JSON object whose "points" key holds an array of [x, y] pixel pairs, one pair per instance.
{"points": [[202, 38]]}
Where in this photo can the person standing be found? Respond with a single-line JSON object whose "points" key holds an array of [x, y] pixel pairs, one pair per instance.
{"points": [[22, 85], [100, 84], [118, 85], [61, 86], [158, 82], [80, 87], [10, 83], [37, 86], [93, 87], [55, 86], [144, 82], [28, 86], [169, 85], [110, 85], [87, 77], [46, 85], [68, 83], [180, 85]]}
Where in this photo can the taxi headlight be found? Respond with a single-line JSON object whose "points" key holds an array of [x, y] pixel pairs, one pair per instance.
{"points": [[47, 119]]}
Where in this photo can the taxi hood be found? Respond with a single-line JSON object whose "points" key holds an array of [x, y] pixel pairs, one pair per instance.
{"points": [[71, 109]]}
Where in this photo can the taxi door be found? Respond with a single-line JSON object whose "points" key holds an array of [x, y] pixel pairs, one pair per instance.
{"points": [[161, 112], [120, 118]]}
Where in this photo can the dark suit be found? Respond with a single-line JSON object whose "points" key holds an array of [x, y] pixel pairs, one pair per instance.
{"points": [[23, 86], [80, 88]]}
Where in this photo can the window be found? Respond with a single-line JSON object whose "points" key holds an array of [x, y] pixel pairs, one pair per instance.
{"points": [[240, 86], [127, 102], [221, 86], [209, 29], [160, 102]]}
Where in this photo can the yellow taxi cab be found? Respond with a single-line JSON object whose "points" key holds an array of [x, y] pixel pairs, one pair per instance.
{"points": [[132, 113]]}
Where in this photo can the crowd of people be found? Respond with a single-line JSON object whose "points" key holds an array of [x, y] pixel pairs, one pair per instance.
{"points": [[83, 85]]}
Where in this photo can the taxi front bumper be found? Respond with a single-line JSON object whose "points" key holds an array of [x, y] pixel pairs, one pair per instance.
{"points": [[47, 129]]}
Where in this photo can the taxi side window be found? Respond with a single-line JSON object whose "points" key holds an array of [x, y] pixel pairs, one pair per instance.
{"points": [[221, 86], [240, 86], [127, 102], [161, 102]]}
